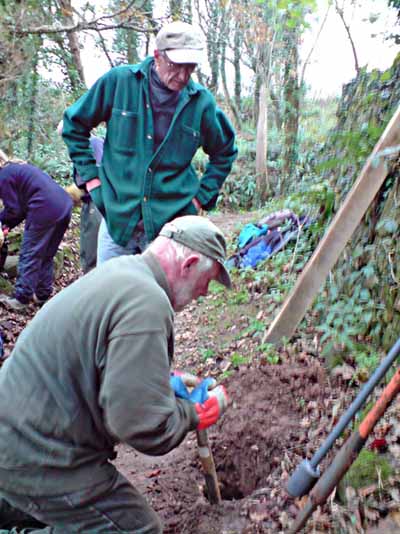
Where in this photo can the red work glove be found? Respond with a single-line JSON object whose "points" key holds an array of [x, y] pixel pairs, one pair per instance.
{"points": [[211, 409]]}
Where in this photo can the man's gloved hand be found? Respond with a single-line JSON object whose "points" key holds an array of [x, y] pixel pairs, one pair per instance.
{"points": [[209, 399], [178, 385], [180, 381], [75, 193], [201, 392], [211, 409]]}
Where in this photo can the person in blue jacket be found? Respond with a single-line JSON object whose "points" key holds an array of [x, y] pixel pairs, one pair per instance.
{"points": [[30, 194]]}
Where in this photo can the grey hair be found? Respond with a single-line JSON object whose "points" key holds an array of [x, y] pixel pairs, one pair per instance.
{"points": [[182, 252]]}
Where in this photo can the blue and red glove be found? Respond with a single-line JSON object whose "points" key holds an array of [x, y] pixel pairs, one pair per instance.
{"points": [[211, 409], [209, 399]]}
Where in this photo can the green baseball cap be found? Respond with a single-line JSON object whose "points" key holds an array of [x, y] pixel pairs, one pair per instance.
{"points": [[201, 235]]}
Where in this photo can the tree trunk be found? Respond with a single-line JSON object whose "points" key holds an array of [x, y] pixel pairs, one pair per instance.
{"points": [[73, 40], [229, 101], [292, 104], [256, 98], [261, 147], [237, 52], [32, 105], [213, 46]]}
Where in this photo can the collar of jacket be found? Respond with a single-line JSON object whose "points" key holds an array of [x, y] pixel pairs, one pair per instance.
{"points": [[143, 68], [159, 274]]}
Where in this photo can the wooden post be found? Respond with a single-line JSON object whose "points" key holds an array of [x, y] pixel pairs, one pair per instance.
{"points": [[339, 232]]}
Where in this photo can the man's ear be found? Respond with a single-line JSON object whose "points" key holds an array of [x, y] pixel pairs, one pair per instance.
{"points": [[156, 53], [188, 264]]}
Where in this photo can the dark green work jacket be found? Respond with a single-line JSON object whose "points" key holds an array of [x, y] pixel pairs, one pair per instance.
{"points": [[136, 181], [91, 370]]}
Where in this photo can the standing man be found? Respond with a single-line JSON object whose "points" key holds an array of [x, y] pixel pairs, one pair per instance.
{"points": [[93, 369], [157, 117]]}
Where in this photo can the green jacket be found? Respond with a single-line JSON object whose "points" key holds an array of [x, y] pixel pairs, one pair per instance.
{"points": [[91, 370], [136, 181]]}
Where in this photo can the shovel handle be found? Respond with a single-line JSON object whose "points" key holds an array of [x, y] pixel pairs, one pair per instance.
{"points": [[210, 473]]}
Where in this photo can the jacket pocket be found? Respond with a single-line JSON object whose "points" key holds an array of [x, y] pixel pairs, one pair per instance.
{"points": [[191, 138], [181, 147], [122, 129]]}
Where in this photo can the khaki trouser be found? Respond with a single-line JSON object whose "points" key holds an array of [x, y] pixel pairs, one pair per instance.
{"points": [[108, 508]]}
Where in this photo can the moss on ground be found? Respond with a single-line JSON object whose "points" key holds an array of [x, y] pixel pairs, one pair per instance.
{"points": [[368, 469]]}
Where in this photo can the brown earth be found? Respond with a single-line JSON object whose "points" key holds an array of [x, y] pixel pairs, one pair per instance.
{"points": [[282, 406], [251, 447]]}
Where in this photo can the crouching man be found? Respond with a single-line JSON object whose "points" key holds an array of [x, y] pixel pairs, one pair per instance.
{"points": [[92, 369]]}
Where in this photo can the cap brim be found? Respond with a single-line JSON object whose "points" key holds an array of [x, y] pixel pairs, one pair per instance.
{"points": [[185, 55], [224, 277]]}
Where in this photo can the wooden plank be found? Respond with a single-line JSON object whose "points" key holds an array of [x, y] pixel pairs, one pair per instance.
{"points": [[337, 235]]}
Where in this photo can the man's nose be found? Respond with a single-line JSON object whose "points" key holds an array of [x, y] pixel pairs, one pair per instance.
{"points": [[182, 75]]}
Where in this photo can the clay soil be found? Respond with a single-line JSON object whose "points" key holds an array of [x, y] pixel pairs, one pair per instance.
{"points": [[280, 411]]}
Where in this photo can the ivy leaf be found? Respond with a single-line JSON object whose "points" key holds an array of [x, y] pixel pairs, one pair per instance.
{"points": [[387, 227]]}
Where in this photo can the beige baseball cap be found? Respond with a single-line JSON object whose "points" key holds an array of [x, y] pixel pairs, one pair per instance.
{"points": [[201, 235], [182, 42]]}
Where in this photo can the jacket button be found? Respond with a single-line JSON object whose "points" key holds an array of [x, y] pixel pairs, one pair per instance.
{"points": [[144, 199], [150, 170], [149, 137]]}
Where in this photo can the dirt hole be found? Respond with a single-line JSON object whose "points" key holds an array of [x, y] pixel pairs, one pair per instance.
{"points": [[262, 424], [231, 492]]}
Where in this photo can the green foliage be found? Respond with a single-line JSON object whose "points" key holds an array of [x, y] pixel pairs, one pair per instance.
{"points": [[206, 353], [346, 318], [255, 327], [238, 192], [239, 297], [369, 468], [269, 352], [238, 359], [387, 226], [354, 147]]}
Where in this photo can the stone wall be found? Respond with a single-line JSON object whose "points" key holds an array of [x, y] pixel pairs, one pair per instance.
{"points": [[364, 288]]}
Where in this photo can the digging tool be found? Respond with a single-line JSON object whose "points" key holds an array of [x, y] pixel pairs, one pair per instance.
{"points": [[307, 473], [210, 473], [347, 454], [180, 381]]}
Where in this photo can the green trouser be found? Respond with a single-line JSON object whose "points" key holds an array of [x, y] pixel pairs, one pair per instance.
{"points": [[89, 228], [110, 507]]}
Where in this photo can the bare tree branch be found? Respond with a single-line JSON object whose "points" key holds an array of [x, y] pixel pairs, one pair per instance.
{"points": [[306, 61], [130, 17], [340, 12], [105, 49]]}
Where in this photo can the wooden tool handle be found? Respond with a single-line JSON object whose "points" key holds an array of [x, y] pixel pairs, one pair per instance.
{"points": [[210, 473]]}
